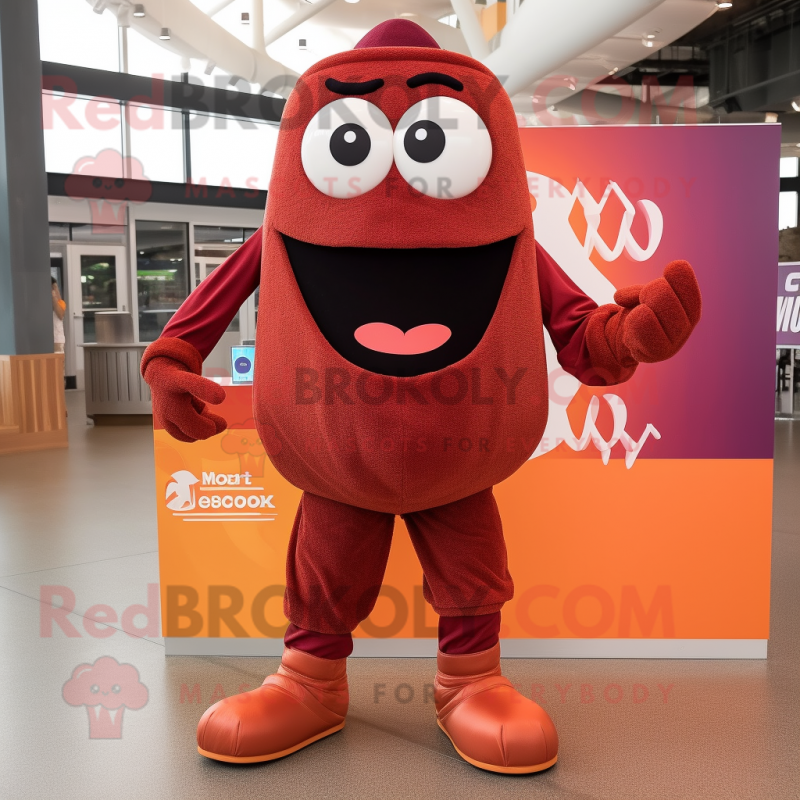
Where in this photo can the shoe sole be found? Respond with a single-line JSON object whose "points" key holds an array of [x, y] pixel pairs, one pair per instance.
{"points": [[269, 756], [495, 767]]}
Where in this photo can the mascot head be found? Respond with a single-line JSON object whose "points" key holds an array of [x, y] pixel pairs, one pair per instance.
{"points": [[399, 195]]}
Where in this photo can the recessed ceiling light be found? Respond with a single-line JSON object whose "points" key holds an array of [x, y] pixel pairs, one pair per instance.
{"points": [[723, 4], [165, 34], [796, 105], [647, 42], [138, 10], [355, 1]]}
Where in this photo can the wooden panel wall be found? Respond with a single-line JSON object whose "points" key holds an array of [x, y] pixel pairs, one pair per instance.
{"points": [[32, 410]]}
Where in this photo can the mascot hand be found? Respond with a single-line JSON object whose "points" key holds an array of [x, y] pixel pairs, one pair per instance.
{"points": [[662, 313], [172, 369]]}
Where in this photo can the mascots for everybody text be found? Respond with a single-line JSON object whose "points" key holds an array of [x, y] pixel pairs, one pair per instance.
{"points": [[402, 302]]}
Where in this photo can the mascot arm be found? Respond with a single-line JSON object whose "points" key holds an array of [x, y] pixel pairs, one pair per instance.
{"points": [[172, 365], [602, 346]]}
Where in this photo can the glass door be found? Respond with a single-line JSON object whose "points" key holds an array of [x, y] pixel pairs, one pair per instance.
{"points": [[162, 274], [96, 278], [218, 362]]}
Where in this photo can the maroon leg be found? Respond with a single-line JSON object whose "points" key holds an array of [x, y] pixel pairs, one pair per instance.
{"points": [[334, 570], [459, 635], [321, 645], [463, 555]]}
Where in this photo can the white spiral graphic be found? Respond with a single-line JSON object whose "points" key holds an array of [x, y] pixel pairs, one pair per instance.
{"points": [[625, 241], [554, 204]]}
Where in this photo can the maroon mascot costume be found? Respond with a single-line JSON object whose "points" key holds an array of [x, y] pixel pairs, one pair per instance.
{"points": [[402, 301]]}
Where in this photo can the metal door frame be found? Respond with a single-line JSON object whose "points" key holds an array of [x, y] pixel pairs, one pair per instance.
{"points": [[74, 317]]}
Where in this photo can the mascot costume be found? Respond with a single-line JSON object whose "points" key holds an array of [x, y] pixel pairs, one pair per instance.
{"points": [[403, 299]]}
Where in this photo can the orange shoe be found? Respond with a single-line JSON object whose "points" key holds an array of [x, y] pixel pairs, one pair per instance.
{"points": [[490, 724], [304, 701]]}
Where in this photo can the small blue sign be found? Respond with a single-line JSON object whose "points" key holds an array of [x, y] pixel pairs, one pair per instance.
{"points": [[243, 358]]}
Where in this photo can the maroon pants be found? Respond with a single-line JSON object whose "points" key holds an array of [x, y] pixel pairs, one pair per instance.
{"points": [[337, 558]]}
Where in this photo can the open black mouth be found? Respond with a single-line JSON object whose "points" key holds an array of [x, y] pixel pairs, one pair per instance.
{"points": [[401, 312]]}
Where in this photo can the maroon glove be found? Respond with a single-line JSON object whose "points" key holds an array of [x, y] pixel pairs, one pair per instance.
{"points": [[651, 322], [172, 368]]}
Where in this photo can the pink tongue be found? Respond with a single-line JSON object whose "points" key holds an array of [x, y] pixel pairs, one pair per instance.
{"points": [[385, 338]]}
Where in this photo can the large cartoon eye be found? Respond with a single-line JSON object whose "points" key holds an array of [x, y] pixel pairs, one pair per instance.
{"points": [[442, 148], [347, 148]]}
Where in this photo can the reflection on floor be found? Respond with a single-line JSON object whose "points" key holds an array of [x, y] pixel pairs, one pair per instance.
{"points": [[84, 519]]}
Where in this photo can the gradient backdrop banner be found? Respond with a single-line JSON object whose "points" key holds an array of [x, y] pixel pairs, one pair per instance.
{"points": [[645, 513]]}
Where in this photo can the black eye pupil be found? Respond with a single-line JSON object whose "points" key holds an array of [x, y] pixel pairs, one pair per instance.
{"points": [[350, 144], [97, 182], [119, 183], [424, 141]]}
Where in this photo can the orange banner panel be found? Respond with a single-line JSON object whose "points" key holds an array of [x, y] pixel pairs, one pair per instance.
{"points": [[672, 548]]}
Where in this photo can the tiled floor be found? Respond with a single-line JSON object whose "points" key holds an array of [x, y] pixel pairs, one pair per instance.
{"points": [[84, 519]]}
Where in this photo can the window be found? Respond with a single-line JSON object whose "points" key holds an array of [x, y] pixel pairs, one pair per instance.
{"points": [[71, 33], [156, 143], [88, 233], [787, 210], [98, 234], [161, 274], [789, 167], [82, 134], [148, 58], [213, 234], [249, 149]]}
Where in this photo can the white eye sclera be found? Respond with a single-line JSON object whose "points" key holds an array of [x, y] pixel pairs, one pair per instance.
{"points": [[347, 148], [442, 148]]}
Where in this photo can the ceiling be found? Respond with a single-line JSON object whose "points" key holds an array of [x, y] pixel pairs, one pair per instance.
{"points": [[625, 37]]}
